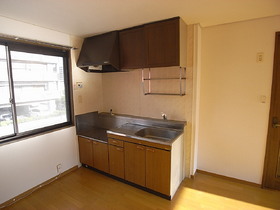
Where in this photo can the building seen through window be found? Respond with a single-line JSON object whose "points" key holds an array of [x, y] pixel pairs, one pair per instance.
{"points": [[33, 93]]}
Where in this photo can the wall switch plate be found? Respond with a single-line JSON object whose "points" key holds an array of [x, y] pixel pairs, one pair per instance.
{"points": [[263, 99], [259, 57]]}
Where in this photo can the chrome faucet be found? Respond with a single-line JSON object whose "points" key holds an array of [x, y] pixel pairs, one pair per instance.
{"points": [[111, 112], [164, 116]]}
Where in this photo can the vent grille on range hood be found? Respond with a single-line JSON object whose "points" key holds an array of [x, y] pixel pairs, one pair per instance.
{"points": [[100, 53]]}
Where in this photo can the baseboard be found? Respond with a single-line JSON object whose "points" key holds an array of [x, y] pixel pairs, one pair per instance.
{"points": [[192, 176], [30, 191], [227, 178]]}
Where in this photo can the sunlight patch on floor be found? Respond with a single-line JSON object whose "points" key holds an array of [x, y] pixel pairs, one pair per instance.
{"points": [[194, 199]]}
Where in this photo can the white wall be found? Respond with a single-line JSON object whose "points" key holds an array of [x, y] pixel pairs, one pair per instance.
{"points": [[27, 163], [30, 162], [233, 121]]}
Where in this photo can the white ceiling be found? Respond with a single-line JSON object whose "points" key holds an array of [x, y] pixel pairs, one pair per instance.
{"points": [[88, 17]]}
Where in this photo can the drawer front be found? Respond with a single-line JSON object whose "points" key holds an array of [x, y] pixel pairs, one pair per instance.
{"points": [[115, 142], [137, 141]]}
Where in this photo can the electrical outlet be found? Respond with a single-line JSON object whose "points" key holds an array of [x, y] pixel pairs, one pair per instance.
{"points": [[58, 167]]}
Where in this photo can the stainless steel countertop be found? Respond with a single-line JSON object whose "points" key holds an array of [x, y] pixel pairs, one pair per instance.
{"points": [[95, 126], [130, 130], [94, 133]]}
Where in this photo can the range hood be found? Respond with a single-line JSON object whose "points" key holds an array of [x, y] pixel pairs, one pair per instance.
{"points": [[100, 53]]}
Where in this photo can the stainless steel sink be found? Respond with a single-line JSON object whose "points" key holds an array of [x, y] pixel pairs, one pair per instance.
{"points": [[158, 133]]}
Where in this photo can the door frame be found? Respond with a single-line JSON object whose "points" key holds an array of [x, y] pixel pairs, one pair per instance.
{"points": [[270, 163]]}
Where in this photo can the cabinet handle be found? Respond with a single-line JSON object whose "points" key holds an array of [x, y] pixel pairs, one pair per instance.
{"points": [[119, 149], [115, 142], [150, 150], [140, 147], [95, 142], [88, 141]]}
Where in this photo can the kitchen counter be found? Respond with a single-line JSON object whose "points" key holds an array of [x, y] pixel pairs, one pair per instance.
{"points": [[96, 125], [95, 133]]}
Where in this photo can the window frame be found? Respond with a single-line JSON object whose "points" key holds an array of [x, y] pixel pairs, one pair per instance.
{"points": [[67, 73]]}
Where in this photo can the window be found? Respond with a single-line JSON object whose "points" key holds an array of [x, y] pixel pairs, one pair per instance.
{"points": [[34, 89]]}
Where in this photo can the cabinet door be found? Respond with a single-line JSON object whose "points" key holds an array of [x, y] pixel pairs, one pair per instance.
{"points": [[132, 48], [135, 161], [158, 170], [86, 151], [100, 156], [116, 161], [163, 43]]}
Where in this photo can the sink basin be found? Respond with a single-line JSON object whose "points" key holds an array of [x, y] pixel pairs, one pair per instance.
{"points": [[158, 133]]}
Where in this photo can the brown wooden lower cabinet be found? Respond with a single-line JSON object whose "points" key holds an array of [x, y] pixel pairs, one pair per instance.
{"points": [[148, 167], [116, 161], [86, 151], [135, 163], [158, 168], [94, 154], [100, 156]]}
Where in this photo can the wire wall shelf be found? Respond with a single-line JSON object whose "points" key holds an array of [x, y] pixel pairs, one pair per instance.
{"points": [[154, 83]]}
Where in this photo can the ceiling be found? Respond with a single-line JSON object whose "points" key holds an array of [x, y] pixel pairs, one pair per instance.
{"points": [[88, 17]]}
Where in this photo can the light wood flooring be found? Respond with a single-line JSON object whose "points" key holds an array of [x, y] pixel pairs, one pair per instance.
{"points": [[87, 189]]}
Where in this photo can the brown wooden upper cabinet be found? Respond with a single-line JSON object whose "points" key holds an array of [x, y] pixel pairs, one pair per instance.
{"points": [[163, 43], [158, 44], [132, 48]]}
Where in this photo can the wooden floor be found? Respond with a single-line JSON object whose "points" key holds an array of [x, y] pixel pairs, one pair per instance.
{"points": [[87, 189]]}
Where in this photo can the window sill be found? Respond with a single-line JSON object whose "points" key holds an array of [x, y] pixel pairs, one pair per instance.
{"points": [[34, 133]]}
